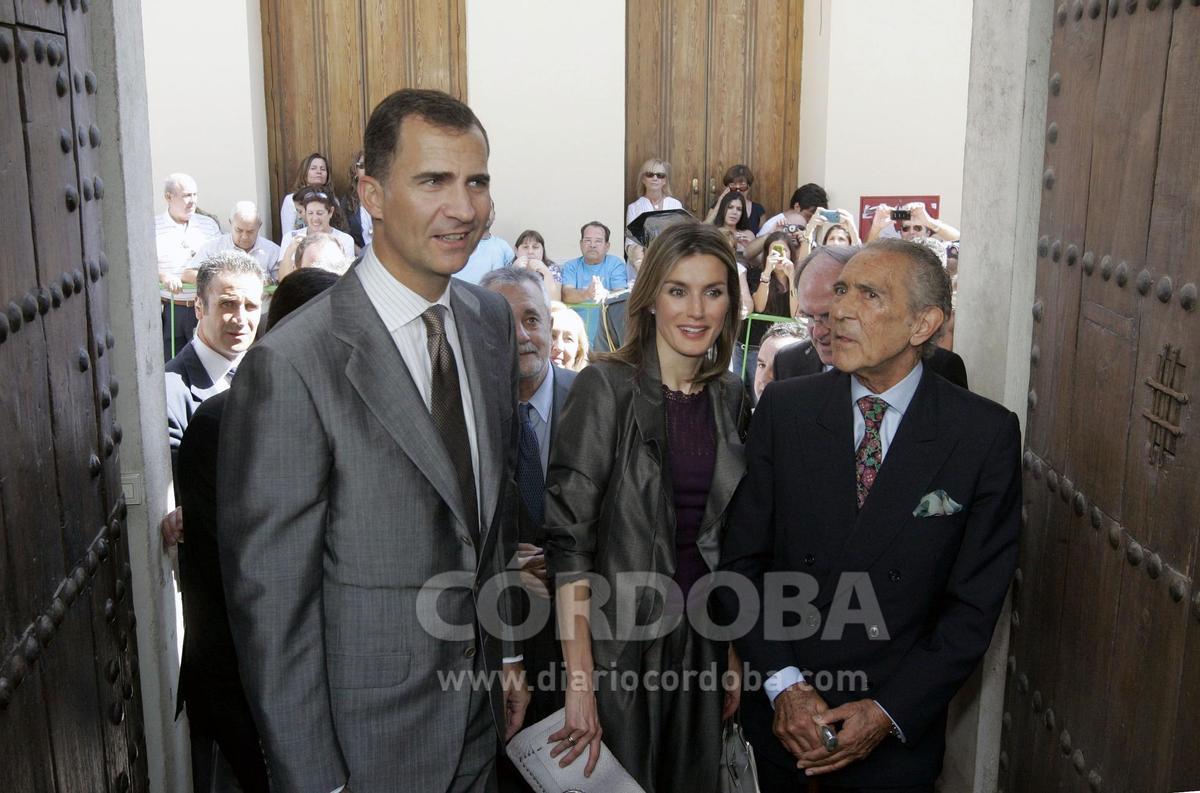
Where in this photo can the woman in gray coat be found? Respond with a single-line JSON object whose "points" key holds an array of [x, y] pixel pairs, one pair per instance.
{"points": [[649, 455]]}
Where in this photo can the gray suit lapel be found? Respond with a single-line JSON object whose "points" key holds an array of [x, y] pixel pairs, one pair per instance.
{"points": [[483, 357], [377, 371]]}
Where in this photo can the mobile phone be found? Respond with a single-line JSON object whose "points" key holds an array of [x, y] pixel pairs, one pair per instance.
{"points": [[779, 249], [901, 214], [831, 215]]}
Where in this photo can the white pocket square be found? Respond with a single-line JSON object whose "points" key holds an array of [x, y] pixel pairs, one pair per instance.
{"points": [[936, 503]]}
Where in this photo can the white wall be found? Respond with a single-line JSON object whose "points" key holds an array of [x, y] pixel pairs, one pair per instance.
{"points": [[892, 82], [208, 118], [547, 79]]}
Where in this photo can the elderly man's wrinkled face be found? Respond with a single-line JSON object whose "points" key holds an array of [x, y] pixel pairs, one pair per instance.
{"points": [[814, 296], [532, 317], [245, 232], [875, 334], [181, 201]]}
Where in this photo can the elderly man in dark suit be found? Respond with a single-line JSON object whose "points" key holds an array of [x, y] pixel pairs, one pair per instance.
{"points": [[814, 292], [542, 392], [229, 291], [909, 509], [379, 427]]}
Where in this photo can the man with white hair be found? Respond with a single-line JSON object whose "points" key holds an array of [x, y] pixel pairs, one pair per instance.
{"points": [[179, 233], [323, 252], [245, 223]]}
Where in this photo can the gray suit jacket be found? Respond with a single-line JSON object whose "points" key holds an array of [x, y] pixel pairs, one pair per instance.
{"points": [[352, 508], [188, 384]]}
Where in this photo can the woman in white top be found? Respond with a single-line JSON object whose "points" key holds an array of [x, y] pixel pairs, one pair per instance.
{"points": [[318, 210], [314, 172], [654, 194]]}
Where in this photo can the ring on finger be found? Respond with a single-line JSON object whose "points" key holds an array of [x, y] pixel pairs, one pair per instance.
{"points": [[571, 739]]}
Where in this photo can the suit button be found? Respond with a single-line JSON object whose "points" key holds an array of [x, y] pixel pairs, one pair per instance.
{"points": [[809, 560], [469, 652], [464, 539], [873, 631], [894, 576]]}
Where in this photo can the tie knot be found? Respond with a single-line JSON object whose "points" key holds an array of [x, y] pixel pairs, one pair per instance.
{"points": [[526, 412], [872, 408], [434, 318]]}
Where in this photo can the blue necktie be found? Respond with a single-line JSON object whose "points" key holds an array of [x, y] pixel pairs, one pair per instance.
{"points": [[530, 481]]}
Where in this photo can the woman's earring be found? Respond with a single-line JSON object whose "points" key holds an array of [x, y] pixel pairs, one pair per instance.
{"points": [[652, 311]]}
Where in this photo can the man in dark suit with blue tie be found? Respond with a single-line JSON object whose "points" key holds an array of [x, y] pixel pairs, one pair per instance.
{"points": [[903, 526], [542, 391]]}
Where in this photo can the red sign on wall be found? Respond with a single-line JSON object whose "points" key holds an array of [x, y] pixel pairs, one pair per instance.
{"points": [[867, 204]]}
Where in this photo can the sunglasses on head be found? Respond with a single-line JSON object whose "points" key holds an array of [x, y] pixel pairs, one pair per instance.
{"points": [[655, 175]]}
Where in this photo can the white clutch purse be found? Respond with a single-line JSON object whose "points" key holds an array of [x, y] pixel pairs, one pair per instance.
{"points": [[529, 751]]}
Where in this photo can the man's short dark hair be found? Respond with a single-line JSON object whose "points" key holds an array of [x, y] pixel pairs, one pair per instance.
{"points": [[929, 284], [297, 288], [810, 196], [737, 172], [383, 129], [231, 261], [583, 229]]}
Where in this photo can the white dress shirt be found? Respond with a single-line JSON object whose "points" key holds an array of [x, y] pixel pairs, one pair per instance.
{"points": [[177, 243], [898, 398], [368, 224], [401, 308], [265, 252], [216, 364]]}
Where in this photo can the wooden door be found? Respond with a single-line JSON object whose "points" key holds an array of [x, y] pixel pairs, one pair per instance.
{"points": [[710, 85], [1104, 676], [70, 706], [328, 64]]}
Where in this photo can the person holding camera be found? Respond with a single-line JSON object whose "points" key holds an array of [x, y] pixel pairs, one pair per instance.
{"points": [[805, 202], [912, 220]]}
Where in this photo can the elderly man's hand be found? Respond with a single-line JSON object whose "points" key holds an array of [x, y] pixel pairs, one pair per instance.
{"points": [[535, 577], [172, 283], [864, 726], [171, 527], [795, 710]]}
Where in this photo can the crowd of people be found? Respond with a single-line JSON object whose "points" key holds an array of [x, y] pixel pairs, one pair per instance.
{"points": [[451, 411]]}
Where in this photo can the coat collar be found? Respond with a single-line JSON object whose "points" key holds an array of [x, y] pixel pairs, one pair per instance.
{"points": [[377, 372]]}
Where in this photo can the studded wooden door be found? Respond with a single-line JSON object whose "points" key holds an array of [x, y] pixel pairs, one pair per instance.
{"points": [[70, 710], [1104, 678]]}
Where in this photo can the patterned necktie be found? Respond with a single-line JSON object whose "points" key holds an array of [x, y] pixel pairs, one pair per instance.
{"points": [[446, 407], [229, 375], [530, 481], [869, 456]]}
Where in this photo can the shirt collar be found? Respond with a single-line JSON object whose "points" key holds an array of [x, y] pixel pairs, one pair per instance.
{"points": [[216, 364], [898, 396], [543, 399], [396, 303]]}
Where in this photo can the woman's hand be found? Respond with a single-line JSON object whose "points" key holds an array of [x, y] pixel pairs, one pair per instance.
{"points": [[773, 260], [732, 681], [744, 236], [582, 728], [788, 269]]}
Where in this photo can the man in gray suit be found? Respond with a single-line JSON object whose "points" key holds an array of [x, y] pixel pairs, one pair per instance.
{"points": [[379, 426]]}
